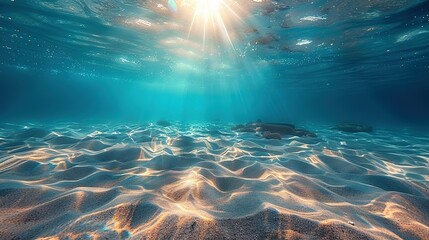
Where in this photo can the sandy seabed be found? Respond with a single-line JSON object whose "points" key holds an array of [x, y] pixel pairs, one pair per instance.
{"points": [[204, 181]]}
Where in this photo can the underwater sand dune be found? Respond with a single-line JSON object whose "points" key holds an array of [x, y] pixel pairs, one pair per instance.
{"points": [[204, 181]]}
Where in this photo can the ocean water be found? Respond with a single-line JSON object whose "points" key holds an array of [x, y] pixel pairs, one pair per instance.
{"points": [[214, 119]]}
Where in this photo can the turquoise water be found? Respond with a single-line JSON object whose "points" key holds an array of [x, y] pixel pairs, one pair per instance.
{"points": [[296, 61], [214, 119]]}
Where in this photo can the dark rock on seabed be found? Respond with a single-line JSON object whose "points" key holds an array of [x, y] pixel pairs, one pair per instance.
{"points": [[163, 123], [273, 130], [269, 135], [353, 128]]}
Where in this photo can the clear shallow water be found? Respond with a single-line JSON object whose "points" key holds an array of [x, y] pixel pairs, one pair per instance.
{"points": [[285, 60], [134, 180], [83, 83]]}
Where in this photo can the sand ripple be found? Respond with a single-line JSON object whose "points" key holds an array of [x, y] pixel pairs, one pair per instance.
{"points": [[205, 181]]}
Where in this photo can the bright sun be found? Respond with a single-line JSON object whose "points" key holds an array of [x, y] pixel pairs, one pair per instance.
{"points": [[210, 18], [207, 8]]}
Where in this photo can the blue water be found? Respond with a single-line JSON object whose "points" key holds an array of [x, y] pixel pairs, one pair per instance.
{"points": [[293, 61], [214, 119]]}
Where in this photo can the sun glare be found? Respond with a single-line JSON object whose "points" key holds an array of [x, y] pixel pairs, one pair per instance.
{"points": [[211, 18], [207, 8]]}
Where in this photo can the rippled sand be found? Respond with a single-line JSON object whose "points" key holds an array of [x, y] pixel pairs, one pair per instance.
{"points": [[205, 181]]}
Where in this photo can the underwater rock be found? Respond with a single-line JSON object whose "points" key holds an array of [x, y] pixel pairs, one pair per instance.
{"points": [[353, 128], [304, 133], [246, 129], [269, 135], [243, 128], [273, 128], [163, 123]]}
